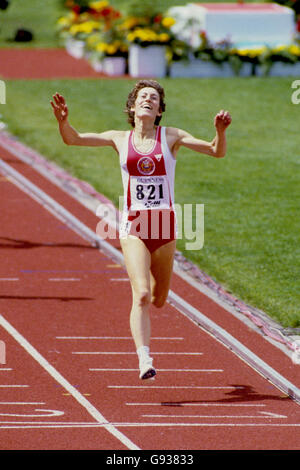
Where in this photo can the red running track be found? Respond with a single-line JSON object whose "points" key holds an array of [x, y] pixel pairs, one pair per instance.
{"points": [[70, 380], [43, 64]]}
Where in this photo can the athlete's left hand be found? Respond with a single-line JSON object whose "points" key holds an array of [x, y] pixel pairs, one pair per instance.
{"points": [[222, 120]]}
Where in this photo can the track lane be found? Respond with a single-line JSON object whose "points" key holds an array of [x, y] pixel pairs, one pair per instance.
{"points": [[35, 411], [49, 260]]}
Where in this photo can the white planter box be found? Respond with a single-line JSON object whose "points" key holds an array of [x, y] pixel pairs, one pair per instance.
{"points": [[197, 68], [281, 69], [147, 61], [246, 70], [75, 48], [97, 65], [202, 69], [114, 65]]}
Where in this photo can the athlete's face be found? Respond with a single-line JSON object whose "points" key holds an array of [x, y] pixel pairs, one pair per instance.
{"points": [[147, 103]]}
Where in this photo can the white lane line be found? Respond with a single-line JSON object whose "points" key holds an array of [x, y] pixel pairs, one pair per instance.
{"points": [[192, 387], [133, 352], [140, 425], [66, 385], [46, 413], [118, 337], [207, 424], [114, 370], [198, 404], [13, 386], [22, 403], [158, 370], [62, 279], [9, 279], [56, 424], [120, 280], [5, 369], [216, 416], [49, 426]]}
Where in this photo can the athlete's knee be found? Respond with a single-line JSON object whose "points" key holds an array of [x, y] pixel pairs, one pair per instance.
{"points": [[158, 300], [142, 297]]}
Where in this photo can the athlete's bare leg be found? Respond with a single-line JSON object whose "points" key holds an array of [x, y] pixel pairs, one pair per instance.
{"points": [[161, 273], [138, 261], [150, 277]]}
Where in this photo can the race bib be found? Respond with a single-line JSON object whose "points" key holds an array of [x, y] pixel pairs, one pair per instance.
{"points": [[149, 192]]}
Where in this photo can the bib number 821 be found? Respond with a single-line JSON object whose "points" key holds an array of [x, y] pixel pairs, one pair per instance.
{"points": [[151, 190]]}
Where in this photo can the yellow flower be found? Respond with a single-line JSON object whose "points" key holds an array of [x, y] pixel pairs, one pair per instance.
{"points": [[111, 49], [251, 52], [92, 40], [167, 22], [294, 49], [279, 48], [64, 21], [101, 47], [87, 27], [131, 36], [83, 17], [147, 35], [164, 37], [74, 29], [242, 52], [129, 23], [98, 5], [73, 16], [150, 35]]}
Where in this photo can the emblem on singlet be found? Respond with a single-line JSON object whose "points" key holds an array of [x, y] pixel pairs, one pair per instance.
{"points": [[146, 166]]}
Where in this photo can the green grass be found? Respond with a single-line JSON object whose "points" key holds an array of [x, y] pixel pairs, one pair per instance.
{"points": [[38, 16], [251, 197]]}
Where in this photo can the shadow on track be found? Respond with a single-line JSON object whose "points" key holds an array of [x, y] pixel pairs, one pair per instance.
{"points": [[242, 393]]}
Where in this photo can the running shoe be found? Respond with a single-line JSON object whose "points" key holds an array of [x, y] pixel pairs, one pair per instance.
{"points": [[147, 371]]}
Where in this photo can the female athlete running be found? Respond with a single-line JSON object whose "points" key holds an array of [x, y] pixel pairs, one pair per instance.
{"points": [[148, 228]]}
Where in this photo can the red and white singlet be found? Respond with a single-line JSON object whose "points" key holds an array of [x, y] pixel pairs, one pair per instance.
{"points": [[148, 182]]}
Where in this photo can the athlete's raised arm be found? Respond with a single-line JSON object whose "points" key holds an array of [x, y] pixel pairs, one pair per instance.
{"points": [[216, 148], [70, 135]]}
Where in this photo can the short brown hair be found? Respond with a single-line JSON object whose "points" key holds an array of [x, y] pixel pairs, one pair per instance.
{"points": [[133, 94]]}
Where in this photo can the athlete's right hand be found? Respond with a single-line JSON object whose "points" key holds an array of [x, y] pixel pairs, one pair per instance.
{"points": [[60, 107]]}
